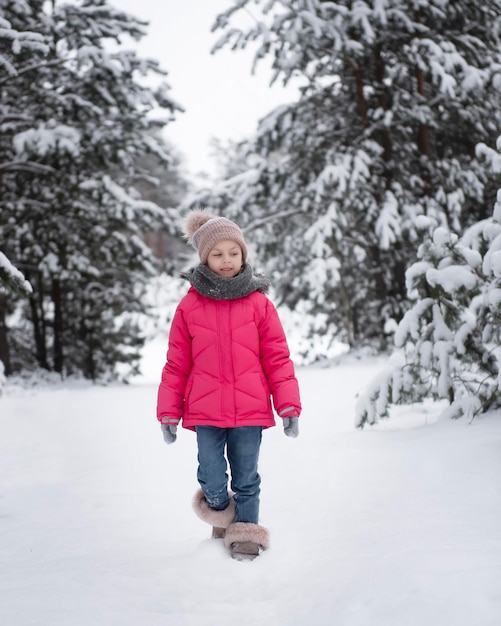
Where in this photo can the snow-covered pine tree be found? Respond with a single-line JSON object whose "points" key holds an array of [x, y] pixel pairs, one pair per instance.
{"points": [[18, 50], [165, 185], [11, 279], [82, 117], [395, 96], [449, 341]]}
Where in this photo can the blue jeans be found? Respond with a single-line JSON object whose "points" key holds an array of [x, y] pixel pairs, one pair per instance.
{"points": [[242, 448]]}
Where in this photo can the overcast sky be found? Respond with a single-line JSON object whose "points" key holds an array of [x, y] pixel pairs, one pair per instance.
{"points": [[221, 97]]}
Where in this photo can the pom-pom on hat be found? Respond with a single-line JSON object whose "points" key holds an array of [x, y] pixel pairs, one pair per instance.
{"points": [[204, 230]]}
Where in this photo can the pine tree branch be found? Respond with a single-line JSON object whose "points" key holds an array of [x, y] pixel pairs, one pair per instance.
{"points": [[31, 68], [26, 166], [272, 218]]}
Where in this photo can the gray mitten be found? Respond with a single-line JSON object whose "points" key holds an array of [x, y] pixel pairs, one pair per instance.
{"points": [[169, 432], [291, 426]]}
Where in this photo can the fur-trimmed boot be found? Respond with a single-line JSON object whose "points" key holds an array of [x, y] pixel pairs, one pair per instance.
{"points": [[219, 520], [245, 540]]}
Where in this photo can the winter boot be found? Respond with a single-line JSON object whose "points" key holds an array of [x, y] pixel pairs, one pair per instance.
{"points": [[245, 541], [219, 520], [218, 532]]}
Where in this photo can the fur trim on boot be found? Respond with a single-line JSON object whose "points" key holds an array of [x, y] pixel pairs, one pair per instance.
{"points": [[243, 532], [220, 519]]}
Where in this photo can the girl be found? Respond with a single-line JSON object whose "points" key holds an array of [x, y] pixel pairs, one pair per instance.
{"points": [[227, 355]]}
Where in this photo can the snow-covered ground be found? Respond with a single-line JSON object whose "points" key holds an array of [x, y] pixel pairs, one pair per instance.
{"points": [[398, 525]]}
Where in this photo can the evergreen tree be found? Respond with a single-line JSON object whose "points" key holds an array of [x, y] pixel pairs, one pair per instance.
{"points": [[395, 96], [450, 339], [74, 223], [165, 185], [11, 279], [17, 52]]}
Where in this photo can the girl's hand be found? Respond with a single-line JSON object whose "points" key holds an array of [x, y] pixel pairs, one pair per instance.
{"points": [[169, 432], [291, 426]]}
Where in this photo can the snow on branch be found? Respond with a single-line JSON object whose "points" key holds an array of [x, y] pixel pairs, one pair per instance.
{"points": [[19, 41], [47, 140], [13, 278], [450, 339]]}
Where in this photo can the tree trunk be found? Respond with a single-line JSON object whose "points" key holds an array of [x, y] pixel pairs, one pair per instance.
{"points": [[423, 135], [38, 321], [90, 365], [58, 326], [4, 344], [384, 104], [423, 132], [362, 102]]}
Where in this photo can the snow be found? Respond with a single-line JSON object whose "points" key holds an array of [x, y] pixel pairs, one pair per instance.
{"points": [[14, 274], [391, 525], [42, 141], [388, 227], [452, 278]]}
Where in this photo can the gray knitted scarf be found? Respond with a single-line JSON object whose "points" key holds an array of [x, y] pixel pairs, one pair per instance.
{"points": [[213, 286]]}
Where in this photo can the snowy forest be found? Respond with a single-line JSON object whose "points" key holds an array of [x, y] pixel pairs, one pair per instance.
{"points": [[373, 201]]}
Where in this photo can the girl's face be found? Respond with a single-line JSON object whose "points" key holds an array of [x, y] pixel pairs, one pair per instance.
{"points": [[225, 259]]}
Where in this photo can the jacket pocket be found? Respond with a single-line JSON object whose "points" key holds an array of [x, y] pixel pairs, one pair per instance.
{"points": [[187, 391], [265, 383]]}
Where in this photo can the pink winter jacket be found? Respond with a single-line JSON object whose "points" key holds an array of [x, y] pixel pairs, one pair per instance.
{"points": [[225, 358]]}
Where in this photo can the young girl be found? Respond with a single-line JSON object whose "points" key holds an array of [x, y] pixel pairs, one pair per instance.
{"points": [[227, 355]]}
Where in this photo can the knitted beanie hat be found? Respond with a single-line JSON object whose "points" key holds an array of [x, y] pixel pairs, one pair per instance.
{"points": [[204, 230]]}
